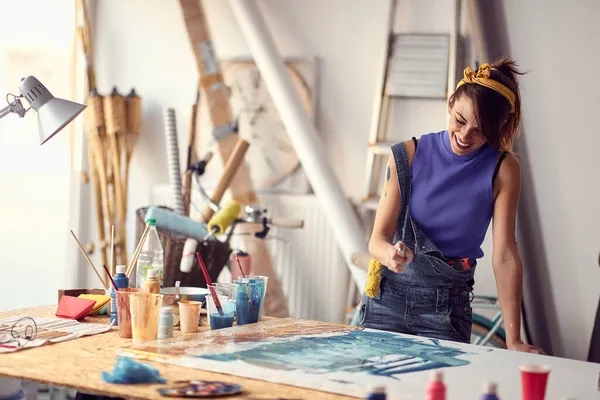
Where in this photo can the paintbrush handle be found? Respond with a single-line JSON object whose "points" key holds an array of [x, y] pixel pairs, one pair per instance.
{"points": [[209, 284], [111, 279], [89, 261], [136, 254]]}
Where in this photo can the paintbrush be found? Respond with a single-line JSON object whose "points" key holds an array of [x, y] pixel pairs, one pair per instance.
{"points": [[89, 261], [237, 258], [402, 251], [209, 283], [111, 279]]}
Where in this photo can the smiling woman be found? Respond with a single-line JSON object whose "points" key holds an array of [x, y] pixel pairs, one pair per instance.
{"points": [[34, 179], [440, 194]]}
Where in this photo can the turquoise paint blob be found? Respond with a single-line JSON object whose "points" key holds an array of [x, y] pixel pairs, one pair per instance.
{"points": [[375, 352]]}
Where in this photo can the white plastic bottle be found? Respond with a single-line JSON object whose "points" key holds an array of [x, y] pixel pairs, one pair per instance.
{"points": [[151, 257]]}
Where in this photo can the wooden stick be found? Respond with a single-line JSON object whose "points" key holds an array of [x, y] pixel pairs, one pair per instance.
{"points": [[114, 114], [89, 261], [138, 249], [112, 248], [230, 170], [191, 155]]}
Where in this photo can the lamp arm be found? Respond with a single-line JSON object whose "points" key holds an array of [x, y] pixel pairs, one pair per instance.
{"points": [[15, 107]]}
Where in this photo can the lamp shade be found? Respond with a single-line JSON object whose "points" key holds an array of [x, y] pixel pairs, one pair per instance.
{"points": [[52, 114]]}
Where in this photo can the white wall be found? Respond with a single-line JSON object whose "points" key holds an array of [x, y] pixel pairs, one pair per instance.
{"points": [[147, 47], [555, 41]]}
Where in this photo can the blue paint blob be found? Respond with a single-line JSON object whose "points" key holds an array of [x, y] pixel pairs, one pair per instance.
{"points": [[377, 353], [221, 321]]}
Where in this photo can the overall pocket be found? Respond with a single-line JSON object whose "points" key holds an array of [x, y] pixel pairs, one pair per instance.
{"points": [[433, 312]]}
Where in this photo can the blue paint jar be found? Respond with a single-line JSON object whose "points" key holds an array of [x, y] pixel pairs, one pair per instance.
{"points": [[121, 281], [165, 323], [248, 294]]}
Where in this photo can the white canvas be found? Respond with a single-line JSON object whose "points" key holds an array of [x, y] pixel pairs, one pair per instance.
{"points": [[350, 362]]}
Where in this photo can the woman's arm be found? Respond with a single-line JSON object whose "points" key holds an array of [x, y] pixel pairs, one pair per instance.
{"points": [[386, 219], [506, 260]]}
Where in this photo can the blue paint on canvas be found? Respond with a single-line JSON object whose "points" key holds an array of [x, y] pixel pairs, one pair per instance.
{"points": [[374, 352]]}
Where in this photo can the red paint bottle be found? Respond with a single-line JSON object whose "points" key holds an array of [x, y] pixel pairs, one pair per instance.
{"points": [[436, 389]]}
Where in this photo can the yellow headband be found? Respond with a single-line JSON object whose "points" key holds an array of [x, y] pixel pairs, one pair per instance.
{"points": [[482, 77]]}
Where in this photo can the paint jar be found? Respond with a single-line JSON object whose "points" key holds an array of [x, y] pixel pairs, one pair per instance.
{"points": [[165, 323], [122, 282], [248, 296], [262, 287], [189, 316], [145, 311], [220, 315], [124, 310]]}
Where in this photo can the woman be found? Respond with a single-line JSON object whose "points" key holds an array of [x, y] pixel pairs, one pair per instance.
{"points": [[439, 196]]}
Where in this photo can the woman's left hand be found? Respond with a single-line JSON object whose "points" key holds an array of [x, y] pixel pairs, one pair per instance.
{"points": [[525, 348]]}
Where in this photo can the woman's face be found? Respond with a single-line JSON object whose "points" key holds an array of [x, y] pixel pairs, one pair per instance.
{"points": [[465, 135]]}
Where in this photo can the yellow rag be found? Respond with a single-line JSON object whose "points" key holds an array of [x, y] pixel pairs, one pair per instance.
{"points": [[373, 278]]}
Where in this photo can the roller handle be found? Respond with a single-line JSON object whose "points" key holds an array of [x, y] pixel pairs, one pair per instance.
{"points": [[233, 163], [287, 223]]}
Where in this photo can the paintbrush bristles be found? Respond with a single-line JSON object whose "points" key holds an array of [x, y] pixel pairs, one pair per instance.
{"points": [[89, 261], [138, 249]]}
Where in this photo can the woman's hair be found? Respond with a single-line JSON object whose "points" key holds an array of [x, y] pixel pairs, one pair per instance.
{"points": [[498, 125]]}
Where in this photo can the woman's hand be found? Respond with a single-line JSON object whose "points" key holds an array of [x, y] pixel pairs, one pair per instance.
{"points": [[398, 256], [525, 348]]}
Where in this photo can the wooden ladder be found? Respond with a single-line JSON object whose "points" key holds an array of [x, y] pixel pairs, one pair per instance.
{"points": [[391, 90]]}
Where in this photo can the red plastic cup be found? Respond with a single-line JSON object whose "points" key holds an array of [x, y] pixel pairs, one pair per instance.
{"points": [[534, 379]]}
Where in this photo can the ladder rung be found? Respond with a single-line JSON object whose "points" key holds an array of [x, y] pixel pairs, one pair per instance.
{"points": [[381, 147]]}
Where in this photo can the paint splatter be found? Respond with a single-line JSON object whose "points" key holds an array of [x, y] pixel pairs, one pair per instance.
{"points": [[376, 353]]}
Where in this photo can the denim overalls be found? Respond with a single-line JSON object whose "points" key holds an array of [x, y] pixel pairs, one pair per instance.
{"points": [[429, 298]]}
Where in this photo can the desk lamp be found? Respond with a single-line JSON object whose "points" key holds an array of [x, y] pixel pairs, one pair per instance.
{"points": [[53, 114]]}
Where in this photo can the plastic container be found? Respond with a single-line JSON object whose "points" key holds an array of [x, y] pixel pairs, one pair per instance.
{"points": [[122, 282], [151, 257], [165, 323], [152, 284]]}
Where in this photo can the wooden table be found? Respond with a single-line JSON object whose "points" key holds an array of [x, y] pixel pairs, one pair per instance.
{"points": [[78, 364]]}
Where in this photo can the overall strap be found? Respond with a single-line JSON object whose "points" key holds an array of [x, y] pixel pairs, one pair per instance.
{"points": [[403, 173]]}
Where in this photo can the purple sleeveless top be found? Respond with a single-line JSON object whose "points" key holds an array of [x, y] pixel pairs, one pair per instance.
{"points": [[452, 197]]}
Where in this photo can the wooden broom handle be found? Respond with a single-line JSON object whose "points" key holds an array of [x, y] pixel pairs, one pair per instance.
{"points": [[231, 167]]}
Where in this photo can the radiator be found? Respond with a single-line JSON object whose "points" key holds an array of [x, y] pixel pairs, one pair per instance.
{"points": [[308, 262]]}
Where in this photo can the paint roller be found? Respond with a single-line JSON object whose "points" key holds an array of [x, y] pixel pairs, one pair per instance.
{"points": [[176, 223], [224, 218], [231, 167]]}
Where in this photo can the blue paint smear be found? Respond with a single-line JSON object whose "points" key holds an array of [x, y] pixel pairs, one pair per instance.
{"points": [[376, 353]]}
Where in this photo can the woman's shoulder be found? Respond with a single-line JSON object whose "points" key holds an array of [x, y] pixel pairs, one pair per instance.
{"points": [[412, 144]]}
